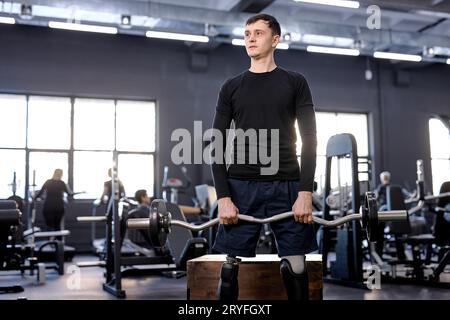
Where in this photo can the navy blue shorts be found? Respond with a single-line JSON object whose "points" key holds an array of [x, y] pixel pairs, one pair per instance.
{"points": [[263, 199]]}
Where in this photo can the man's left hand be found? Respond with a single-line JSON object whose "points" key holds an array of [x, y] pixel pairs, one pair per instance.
{"points": [[302, 207]]}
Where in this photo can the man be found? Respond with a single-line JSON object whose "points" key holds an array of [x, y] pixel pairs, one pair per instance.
{"points": [[107, 189], [381, 194], [266, 97], [142, 211], [385, 179]]}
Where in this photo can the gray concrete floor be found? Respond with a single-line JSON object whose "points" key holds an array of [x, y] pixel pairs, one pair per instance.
{"points": [[161, 288]]}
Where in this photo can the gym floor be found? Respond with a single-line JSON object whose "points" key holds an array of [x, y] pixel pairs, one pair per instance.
{"points": [[162, 288]]}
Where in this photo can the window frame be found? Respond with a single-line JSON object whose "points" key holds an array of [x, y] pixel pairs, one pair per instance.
{"points": [[362, 159], [71, 150], [446, 123]]}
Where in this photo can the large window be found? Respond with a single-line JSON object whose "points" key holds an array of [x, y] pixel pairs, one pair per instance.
{"points": [[90, 170], [93, 124], [80, 136], [49, 123], [440, 152], [329, 124], [102, 126], [93, 141], [13, 117], [12, 161], [135, 126]]}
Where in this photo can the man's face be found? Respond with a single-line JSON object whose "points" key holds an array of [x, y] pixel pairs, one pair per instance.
{"points": [[146, 200], [259, 40]]}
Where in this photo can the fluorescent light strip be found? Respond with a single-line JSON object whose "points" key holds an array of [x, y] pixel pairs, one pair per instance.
{"points": [[283, 46], [327, 41], [238, 42], [7, 20], [176, 36], [318, 39], [436, 14], [81, 27], [238, 31], [241, 42], [397, 56], [336, 3], [440, 51], [332, 50]]}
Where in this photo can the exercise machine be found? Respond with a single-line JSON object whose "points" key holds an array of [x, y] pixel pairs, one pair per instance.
{"points": [[418, 265], [17, 255], [170, 258]]}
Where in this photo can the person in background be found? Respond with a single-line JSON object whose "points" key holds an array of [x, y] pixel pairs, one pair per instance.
{"points": [[381, 194], [107, 189], [142, 211], [54, 209], [385, 179]]}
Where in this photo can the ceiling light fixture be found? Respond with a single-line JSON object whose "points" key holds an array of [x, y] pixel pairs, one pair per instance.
{"points": [[176, 36], [336, 3], [7, 20], [333, 50], [82, 27], [397, 56]]}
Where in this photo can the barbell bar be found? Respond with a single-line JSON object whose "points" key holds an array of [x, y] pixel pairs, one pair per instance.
{"points": [[92, 219], [187, 210], [160, 221]]}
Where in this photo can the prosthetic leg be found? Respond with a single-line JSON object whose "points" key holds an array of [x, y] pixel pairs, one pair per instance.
{"points": [[228, 288], [295, 277]]}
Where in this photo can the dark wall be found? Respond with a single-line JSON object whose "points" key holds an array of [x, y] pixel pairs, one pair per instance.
{"points": [[45, 61]]}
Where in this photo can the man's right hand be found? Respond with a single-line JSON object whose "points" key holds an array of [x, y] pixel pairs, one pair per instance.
{"points": [[227, 211]]}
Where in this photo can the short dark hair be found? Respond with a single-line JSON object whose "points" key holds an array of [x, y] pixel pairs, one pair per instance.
{"points": [[138, 195], [271, 21]]}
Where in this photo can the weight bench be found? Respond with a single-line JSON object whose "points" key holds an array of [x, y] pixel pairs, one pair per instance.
{"points": [[58, 245], [10, 217]]}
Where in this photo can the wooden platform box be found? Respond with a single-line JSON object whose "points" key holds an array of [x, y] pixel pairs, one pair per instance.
{"points": [[259, 277]]}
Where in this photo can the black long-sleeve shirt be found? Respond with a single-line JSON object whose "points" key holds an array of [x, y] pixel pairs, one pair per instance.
{"points": [[107, 190], [55, 190], [268, 100]]}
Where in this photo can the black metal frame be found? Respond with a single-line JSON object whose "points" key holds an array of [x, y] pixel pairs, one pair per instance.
{"points": [[342, 146], [417, 263], [113, 275], [113, 256]]}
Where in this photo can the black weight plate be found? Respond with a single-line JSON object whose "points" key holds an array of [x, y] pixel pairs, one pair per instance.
{"points": [[372, 214], [158, 214]]}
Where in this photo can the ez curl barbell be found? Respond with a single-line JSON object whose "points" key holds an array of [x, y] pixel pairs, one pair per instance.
{"points": [[160, 221]]}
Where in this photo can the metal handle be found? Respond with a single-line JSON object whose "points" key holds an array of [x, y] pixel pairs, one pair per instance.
{"points": [[91, 219]]}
